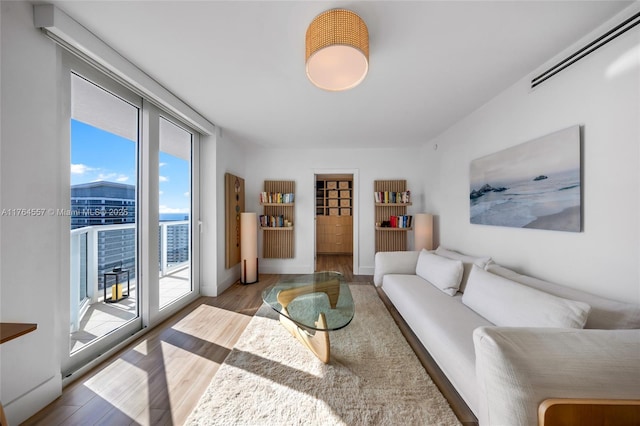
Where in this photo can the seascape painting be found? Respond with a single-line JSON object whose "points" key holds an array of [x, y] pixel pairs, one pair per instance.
{"points": [[532, 185]]}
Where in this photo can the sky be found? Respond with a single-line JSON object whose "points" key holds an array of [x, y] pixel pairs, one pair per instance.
{"points": [[554, 153], [97, 155]]}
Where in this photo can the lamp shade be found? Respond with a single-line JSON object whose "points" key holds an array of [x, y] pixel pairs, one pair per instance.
{"points": [[423, 231], [337, 50], [248, 248]]}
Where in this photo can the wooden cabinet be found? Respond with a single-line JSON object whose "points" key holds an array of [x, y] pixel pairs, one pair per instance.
{"points": [[334, 195], [334, 210], [334, 234], [277, 201], [391, 201]]}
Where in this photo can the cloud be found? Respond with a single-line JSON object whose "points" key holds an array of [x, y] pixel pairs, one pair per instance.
{"points": [[163, 164], [105, 176], [80, 169], [165, 209], [186, 194], [160, 192], [163, 178], [111, 177]]}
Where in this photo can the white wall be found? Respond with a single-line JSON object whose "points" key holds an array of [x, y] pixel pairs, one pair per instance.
{"points": [[208, 215], [226, 157], [601, 93], [300, 165], [30, 267], [231, 159]]}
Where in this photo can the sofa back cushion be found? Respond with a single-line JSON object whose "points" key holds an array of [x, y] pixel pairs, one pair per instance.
{"points": [[467, 262], [440, 271], [605, 314], [507, 303]]}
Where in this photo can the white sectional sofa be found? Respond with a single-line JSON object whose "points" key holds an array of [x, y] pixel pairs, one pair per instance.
{"points": [[506, 341]]}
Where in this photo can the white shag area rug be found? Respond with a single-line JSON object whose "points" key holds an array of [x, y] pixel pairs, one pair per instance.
{"points": [[270, 378]]}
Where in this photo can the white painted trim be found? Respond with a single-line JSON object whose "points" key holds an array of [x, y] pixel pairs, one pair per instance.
{"points": [[65, 31], [40, 396]]}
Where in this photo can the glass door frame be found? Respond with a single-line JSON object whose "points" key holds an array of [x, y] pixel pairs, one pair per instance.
{"points": [[71, 65], [147, 206]]}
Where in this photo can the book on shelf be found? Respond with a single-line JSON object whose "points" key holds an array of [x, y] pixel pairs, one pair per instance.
{"points": [[269, 221], [392, 197], [403, 221], [276, 197]]}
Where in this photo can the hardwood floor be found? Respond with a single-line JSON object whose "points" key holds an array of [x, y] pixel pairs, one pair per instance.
{"points": [[159, 379], [342, 263]]}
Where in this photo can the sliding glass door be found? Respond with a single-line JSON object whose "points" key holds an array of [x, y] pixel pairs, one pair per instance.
{"points": [[175, 189], [103, 215], [131, 179]]}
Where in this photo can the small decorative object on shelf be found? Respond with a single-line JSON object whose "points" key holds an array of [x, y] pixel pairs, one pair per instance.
{"points": [[277, 201], [391, 200]]}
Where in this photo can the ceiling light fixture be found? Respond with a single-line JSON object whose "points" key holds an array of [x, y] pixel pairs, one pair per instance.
{"points": [[337, 56]]}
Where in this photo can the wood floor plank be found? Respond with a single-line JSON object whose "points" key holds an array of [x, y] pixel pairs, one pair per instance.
{"points": [[160, 378]]}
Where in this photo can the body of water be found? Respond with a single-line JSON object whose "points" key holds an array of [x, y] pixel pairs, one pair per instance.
{"points": [[166, 217], [527, 200]]}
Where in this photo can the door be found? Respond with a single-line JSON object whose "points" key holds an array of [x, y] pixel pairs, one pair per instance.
{"points": [[103, 214]]}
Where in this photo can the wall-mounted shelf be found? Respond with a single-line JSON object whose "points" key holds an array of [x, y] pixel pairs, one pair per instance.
{"points": [[13, 330], [278, 245], [391, 238]]}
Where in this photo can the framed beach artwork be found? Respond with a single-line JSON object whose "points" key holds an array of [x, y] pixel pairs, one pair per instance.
{"points": [[536, 184]]}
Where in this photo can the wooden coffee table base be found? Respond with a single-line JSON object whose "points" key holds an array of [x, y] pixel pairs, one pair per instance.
{"points": [[318, 342]]}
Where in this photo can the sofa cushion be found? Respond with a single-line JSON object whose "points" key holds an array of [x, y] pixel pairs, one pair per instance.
{"points": [[394, 262], [467, 262], [605, 313], [517, 368], [510, 304], [440, 271], [443, 325]]}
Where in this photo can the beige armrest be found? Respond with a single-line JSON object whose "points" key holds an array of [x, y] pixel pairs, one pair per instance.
{"points": [[588, 412]]}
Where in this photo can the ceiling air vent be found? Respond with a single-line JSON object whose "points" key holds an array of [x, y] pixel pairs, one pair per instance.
{"points": [[581, 53]]}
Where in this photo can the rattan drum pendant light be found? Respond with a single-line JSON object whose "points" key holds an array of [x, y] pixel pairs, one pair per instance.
{"points": [[337, 56]]}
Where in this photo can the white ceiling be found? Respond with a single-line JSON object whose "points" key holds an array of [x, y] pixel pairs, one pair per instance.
{"points": [[241, 64]]}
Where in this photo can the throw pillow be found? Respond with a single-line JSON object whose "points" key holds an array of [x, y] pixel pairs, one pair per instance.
{"points": [[605, 313], [467, 262], [507, 303], [440, 271]]}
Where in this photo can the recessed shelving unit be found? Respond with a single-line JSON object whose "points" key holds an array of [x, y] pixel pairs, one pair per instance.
{"points": [[277, 219], [334, 214], [394, 236]]}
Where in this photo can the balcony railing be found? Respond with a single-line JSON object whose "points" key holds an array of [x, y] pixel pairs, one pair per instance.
{"points": [[97, 249]]}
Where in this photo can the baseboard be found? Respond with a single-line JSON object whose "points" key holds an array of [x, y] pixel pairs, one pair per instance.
{"points": [[285, 269], [25, 406], [365, 270], [459, 407]]}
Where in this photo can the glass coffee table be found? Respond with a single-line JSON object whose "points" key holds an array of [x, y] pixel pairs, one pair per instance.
{"points": [[312, 305]]}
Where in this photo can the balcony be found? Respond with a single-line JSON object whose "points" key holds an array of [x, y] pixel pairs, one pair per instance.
{"points": [[96, 250]]}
